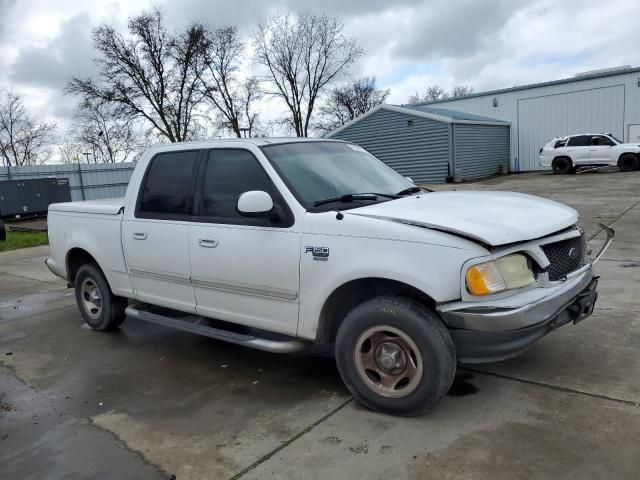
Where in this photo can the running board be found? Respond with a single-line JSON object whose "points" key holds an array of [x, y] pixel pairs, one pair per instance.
{"points": [[274, 346]]}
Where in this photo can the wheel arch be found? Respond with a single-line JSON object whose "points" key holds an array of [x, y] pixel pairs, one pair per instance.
{"points": [[637, 155], [562, 156], [354, 292], [77, 257]]}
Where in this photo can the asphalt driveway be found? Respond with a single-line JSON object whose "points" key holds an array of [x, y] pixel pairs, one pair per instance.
{"points": [[147, 402]]}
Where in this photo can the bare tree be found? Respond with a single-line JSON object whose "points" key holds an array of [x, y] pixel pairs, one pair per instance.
{"points": [[461, 90], [233, 99], [151, 73], [109, 138], [436, 92], [24, 140], [70, 152], [432, 93], [349, 101], [302, 55]]}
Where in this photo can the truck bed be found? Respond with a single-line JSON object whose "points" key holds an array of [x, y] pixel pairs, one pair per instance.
{"points": [[107, 206]]}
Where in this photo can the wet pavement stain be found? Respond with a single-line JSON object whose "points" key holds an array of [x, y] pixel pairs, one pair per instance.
{"points": [[28, 305], [462, 386]]}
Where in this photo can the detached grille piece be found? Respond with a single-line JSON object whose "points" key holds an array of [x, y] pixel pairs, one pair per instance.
{"points": [[565, 256]]}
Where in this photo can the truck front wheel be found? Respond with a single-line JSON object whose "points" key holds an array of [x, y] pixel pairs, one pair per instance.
{"points": [[628, 162], [395, 355], [100, 308]]}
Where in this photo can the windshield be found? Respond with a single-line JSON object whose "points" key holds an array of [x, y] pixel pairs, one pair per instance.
{"points": [[618, 141], [317, 171]]}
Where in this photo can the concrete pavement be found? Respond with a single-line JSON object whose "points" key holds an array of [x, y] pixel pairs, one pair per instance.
{"points": [[147, 402]]}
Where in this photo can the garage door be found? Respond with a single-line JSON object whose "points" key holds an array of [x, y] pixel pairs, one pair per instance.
{"points": [[587, 111]]}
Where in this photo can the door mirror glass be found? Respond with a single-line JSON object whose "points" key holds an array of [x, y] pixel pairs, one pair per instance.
{"points": [[255, 203]]}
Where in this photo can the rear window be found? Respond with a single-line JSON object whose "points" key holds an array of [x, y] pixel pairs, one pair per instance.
{"points": [[165, 192], [560, 143]]}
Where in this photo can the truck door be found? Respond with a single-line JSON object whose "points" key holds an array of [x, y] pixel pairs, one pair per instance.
{"points": [[578, 149], [155, 237], [244, 270], [601, 150]]}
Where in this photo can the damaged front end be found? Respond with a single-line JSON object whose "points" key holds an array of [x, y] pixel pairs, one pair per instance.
{"points": [[500, 326]]}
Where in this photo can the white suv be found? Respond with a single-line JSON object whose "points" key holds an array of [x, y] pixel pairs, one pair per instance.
{"points": [[566, 154]]}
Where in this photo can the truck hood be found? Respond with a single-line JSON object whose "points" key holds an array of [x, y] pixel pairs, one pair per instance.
{"points": [[493, 218]]}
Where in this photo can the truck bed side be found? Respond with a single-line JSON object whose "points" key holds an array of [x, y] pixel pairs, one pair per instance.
{"points": [[95, 227]]}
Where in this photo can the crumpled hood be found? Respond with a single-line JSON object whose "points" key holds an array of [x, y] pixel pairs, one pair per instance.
{"points": [[493, 218]]}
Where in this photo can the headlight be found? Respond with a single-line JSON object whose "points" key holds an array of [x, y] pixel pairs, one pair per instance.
{"points": [[505, 273]]}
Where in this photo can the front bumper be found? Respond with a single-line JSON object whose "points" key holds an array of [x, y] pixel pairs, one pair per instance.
{"points": [[480, 346], [495, 330]]}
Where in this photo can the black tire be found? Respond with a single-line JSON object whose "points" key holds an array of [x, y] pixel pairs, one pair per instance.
{"points": [[562, 165], [109, 314], [436, 353], [628, 162]]}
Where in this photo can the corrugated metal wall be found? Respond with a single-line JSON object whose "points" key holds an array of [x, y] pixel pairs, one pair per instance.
{"points": [[480, 150], [419, 150], [86, 181], [608, 114], [598, 110]]}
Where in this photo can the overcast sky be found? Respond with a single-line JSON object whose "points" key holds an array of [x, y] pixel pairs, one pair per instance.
{"points": [[409, 44]]}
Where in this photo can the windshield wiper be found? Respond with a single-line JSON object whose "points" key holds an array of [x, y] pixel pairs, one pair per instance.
{"points": [[350, 197], [410, 190]]}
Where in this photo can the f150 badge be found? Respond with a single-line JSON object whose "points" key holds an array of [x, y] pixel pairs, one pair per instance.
{"points": [[319, 253]]}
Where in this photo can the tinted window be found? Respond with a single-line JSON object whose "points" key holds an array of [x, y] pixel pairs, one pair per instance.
{"points": [[580, 141], [560, 143], [230, 173], [166, 186], [601, 140]]}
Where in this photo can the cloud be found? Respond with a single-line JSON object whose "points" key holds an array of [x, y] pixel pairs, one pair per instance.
{"points": [[247, 14], [55, 63], [409, 44]]}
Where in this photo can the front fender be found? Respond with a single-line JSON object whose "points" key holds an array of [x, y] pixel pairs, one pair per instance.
{"points": [[431, 269]]}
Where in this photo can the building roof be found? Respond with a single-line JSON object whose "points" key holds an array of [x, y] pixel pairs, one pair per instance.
{"points": [[453, 114], [437, 114], [577, 78]]}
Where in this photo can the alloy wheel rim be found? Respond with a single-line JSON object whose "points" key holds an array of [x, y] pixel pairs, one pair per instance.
{"points": [[91, 298], [388, 361]]}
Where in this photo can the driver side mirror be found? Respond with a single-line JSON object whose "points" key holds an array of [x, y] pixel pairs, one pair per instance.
{"points": [[255, 203]]}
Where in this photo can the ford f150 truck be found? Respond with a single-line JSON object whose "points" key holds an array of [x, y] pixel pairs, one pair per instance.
{"points": [[276, 244]]}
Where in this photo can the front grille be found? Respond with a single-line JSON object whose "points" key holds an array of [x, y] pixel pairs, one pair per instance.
{"points": [[565, 256]]}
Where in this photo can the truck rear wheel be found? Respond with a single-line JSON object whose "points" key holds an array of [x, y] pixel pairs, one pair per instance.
{"points": [[628, 162], [561, 165], [395, 355], [100, 308]]}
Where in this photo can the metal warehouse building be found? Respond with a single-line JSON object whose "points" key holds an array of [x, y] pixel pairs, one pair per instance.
{"points": [[430, 144], [601, 101]]}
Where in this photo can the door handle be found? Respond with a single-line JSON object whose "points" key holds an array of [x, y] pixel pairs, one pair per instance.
{"points": [[140, 235], [208, 242]]}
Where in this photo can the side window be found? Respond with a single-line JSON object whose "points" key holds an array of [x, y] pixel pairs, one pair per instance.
{"points": [[580, 141], [601, 140], [560, 143], [230, 173], [165, 192]]}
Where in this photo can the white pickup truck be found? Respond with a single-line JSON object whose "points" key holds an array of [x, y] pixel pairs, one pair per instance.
{"points": [[280, 243]]}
